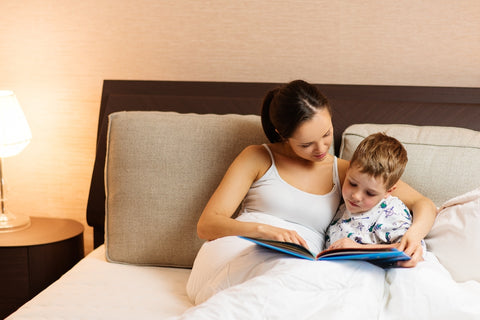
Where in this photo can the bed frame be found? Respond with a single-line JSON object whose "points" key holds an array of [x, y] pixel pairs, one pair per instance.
{"points": [[439, 106]]}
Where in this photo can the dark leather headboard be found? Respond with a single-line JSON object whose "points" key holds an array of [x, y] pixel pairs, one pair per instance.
{"points": [[442, 106]]}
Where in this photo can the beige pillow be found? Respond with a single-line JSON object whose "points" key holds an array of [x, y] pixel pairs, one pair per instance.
{"points": [[443, 162], [161, 168], [455, 239]]}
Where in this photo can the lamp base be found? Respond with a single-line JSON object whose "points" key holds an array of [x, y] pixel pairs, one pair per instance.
{"points": [[10, 222]]}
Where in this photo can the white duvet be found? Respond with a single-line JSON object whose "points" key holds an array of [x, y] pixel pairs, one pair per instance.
{"points": [[252, 282], [248, 282]]}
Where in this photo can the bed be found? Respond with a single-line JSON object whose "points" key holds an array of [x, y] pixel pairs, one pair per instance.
{"points": [[144, 215]]}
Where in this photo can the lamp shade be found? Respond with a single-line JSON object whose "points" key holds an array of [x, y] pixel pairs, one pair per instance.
{"points": [[15, 133]]}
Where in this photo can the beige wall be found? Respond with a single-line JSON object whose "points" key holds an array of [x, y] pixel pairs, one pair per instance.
{"points": [[55, 53]]}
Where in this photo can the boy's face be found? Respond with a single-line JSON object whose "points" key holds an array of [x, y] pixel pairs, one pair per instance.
{"points": [[361, 192]]}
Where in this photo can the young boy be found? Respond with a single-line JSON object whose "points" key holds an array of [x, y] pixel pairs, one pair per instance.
{"points": [[369, 214]]}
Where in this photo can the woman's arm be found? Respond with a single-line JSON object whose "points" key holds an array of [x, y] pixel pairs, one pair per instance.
{"points": [[423, 213], [216, 219]]}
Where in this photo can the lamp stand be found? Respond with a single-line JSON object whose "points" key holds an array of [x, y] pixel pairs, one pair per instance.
{"points": [[9, 221]]}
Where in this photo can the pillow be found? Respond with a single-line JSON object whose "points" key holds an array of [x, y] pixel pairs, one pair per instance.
{"points": [[160, 170], [442, 161], [455, 237]]}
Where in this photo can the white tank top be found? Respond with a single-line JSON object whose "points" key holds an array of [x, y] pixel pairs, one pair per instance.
{"points": [[272, 195]]}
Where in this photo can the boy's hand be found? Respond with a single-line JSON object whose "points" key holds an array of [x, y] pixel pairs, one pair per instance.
{"points": [[344, 243]]}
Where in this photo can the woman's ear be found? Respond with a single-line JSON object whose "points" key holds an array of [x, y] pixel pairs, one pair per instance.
{"points": [[280, 135]]}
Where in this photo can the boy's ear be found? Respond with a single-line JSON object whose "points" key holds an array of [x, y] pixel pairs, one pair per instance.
{"points": [[389, 191]]}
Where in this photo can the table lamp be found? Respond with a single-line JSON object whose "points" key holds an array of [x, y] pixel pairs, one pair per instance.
{"points": [[15, 135]]}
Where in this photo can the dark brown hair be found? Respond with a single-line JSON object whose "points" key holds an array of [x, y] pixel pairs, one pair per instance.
{"points": [[288, 106]]}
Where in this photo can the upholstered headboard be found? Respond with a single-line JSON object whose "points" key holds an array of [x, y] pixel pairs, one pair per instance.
{"points": [[442, 106]]}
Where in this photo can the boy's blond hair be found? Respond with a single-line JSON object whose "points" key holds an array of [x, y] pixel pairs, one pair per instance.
{"points": [[382, 156]]}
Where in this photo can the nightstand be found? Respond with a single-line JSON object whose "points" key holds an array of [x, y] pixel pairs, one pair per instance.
{"points": [[33, 258]]}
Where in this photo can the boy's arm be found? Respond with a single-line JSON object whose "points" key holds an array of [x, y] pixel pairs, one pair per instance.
{"points": [[349, 243], [390, 229], [394, 220], [397, 227]]}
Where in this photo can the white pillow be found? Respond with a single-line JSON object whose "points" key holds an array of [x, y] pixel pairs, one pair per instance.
{"points": [[455, 236]]}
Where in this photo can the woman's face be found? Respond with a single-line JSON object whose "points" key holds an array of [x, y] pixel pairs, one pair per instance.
{"points": [[312, 139]]}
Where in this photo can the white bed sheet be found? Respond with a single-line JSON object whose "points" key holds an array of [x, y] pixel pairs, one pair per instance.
{"points": [[97, 289]]}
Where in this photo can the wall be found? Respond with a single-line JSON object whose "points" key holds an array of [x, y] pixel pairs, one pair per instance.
{"points": [[54, 54]]}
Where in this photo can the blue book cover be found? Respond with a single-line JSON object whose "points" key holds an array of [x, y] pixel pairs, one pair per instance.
{"points": [[381, 256]]}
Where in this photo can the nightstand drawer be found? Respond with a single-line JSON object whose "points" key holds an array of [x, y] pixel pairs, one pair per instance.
{"points": [[31, 259], [48, 262], [14, 273]]}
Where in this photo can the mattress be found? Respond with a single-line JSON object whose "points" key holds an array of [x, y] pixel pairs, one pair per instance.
{"points": [[97, 289]]}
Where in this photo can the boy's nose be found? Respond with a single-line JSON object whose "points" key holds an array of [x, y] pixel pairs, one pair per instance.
{"points": [[356, 195]]}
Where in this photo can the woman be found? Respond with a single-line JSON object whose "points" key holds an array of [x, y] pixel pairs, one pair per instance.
{"points": [[288, 190], [297, 120]]}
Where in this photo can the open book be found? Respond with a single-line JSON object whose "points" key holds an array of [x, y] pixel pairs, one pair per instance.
{"points": [[380, 256]]}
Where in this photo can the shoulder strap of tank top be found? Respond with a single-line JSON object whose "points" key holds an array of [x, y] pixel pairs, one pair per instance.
{"points": [[269, 152], [336, 180]]}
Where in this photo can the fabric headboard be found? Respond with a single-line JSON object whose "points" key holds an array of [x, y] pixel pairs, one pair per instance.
{"points": [[440, 106]]}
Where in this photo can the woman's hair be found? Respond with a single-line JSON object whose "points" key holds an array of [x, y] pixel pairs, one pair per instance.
{"points": [[379, 155], [288, 106]]}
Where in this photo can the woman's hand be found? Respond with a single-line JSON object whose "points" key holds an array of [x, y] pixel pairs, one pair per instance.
{"points": [[415, 258], [411, 245], [279, 234]]}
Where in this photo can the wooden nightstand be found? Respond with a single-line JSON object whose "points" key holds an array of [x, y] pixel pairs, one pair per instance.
{"points": [[33, 258]]}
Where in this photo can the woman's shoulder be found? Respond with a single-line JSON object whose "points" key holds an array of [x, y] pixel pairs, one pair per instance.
{"points": [[343, 162], [342, 166], [255, 153], [255, 157], [255, 150]]}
